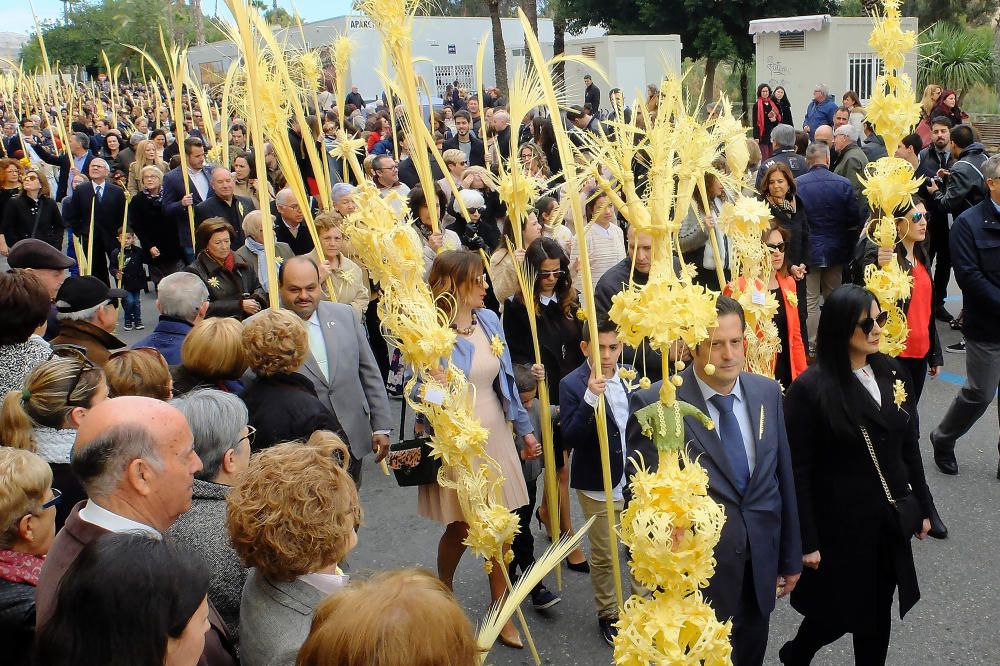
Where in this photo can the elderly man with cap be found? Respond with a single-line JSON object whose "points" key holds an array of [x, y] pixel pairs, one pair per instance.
{"points": [[49, 264], [851, 161], [88, 317], [135, 458]]}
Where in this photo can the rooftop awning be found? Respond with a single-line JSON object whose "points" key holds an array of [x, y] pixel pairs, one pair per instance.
{"points": [[789, 24]]}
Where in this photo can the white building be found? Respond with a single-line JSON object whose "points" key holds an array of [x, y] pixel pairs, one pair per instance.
{"points": [[11, 44], [800, 52], [629, 62], [444, 49]]}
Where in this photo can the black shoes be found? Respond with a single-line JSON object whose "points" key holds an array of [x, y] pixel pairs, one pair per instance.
{"points": [[941, 314], [542, 598], [956, 348], [608, 629], [582, 567], [947, 464], [938, 529]]}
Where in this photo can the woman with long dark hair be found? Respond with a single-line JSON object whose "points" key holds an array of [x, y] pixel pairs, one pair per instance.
{"points": [[766, 115], [859, 481], [947, 106], [781, 99], [104, 614], [777, 188], [554, 307]]}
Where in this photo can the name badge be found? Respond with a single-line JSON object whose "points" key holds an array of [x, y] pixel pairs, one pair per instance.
{"points": [[758, 297], [435, 396]]}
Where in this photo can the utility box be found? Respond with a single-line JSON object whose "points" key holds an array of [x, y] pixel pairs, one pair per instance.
{"points": [[801, 52], [629, 62]]}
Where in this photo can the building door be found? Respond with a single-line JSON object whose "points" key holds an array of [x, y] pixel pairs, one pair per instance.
{"points": [[448, 74]]}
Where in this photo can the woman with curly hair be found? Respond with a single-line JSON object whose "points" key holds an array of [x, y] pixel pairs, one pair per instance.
{"points": [[292, 517], [282, 403]]}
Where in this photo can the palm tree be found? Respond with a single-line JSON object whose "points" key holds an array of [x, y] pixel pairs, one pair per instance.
{"points": [[499, 48], [957, 58]]}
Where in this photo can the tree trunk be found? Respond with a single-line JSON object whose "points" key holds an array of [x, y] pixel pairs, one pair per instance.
{"points": [[199, 22], [711, 64], [559, 47], [499, 48], [530, 8]]}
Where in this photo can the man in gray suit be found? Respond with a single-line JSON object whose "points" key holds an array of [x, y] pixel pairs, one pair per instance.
{"points": [[749, 473], [340, 362]]}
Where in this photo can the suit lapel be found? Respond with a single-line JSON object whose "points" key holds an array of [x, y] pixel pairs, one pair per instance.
{"points": [[329, 331], [708, 440]]}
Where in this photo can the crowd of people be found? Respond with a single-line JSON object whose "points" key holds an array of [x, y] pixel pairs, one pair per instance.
{"points": [[225, 450]]}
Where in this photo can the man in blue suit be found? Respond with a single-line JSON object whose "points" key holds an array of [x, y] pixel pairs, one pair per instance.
{"points": [[749, 473], [176, 203]]}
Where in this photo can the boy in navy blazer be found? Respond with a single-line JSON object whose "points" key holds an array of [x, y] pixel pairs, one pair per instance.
{"points": [[579, 394]]}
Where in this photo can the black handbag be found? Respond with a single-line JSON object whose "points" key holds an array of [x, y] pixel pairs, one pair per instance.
{"points": [[908, 512], [410, 459]]}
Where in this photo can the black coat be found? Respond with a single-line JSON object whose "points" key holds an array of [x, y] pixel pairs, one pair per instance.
{"points": [[478, 153], [133, 277], [149, 221], [558, 340], [233, 213], [109, 216], [300, 244], [408, 171], [843, 510], [17, 621], [23, 218], [285, 408], [226, 289]]}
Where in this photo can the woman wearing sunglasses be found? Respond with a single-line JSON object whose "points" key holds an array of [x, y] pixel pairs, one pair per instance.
{"points": [[860, 484], [44, 416], [554, 307], [922, 356], [28, 524]]}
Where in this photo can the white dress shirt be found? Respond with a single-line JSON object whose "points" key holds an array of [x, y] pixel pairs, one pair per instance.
{"points": [[867, 379], [616, 400], [326, 583], [740, 410], [95, 514], [200, 182]]}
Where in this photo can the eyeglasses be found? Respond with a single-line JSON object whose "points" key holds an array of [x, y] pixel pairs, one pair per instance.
{"points": [[388, 168], [249, 437], [776, 247], [551, 274], [917, 216], [56, 498], [150, 351], [481, 280], [868, 323], [30, 177]]}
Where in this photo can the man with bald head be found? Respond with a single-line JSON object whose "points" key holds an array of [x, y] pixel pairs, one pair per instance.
{"points": [[340, 364], [136, 461], [107, 201], [225, 204], [824, 134], [289, 227]]}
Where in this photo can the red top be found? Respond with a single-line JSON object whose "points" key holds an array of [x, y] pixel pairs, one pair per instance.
{"points": [[918, 315]]}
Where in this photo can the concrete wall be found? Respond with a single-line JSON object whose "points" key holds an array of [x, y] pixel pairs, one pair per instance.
{"points": [[446, 45], [629, 62], [824, 59]]}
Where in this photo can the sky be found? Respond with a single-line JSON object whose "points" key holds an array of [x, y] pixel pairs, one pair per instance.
{"points": [[16, 16]]}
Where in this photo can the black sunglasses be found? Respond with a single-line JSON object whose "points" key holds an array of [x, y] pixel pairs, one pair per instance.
{"points": [[74, 353], [56, 498], [868, 323], [777, 247]]}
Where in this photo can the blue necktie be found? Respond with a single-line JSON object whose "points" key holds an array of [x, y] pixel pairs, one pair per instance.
{"points": [[100, 193], [732, 440]]}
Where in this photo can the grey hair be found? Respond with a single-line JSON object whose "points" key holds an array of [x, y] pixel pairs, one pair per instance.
{"points": [[822, 87], [82, 139], [216, 419], [991, 167], [817, 152], [783, 135], [79, 315], [181, 295], [848, 130], [253, 223], [100, 465]]}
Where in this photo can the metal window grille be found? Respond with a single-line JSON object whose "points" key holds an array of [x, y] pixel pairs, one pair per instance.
{"points": [[795, 39], [862, 70], [589, 51], [444, 75]]}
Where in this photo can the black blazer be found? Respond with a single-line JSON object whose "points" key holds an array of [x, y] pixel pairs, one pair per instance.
{"points": [[478, 154], [762, 524], [578, 422], [149, 221], [109, 214], [20, 223], [558, 341], [844, 513], [231, 213], [285, 408]]}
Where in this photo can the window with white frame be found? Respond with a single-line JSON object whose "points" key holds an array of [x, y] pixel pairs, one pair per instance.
{"points": [[444, 75], [862, 70]]}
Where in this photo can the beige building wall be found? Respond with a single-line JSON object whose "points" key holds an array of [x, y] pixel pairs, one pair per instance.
{"points": [[827, 56]]}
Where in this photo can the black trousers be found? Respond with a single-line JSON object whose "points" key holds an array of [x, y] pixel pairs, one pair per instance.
{"points": [[938, 248], [750, 626], [916, 368], [871, 645], [523, 545], [378, 344]]}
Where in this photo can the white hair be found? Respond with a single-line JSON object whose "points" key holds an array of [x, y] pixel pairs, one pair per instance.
{"points": [[79, 315], [848, 130], [472, 198], [181, 295]]}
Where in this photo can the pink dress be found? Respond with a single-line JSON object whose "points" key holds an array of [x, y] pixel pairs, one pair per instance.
{"points": [[441, 504]]}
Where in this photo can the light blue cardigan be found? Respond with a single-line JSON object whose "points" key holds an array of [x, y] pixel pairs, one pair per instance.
{"points": [[506, 388]]}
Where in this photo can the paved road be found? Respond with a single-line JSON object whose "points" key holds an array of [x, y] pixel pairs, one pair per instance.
{"points": [[954, 623]]}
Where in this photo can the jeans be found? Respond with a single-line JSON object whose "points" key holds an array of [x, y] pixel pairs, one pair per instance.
{"points": [[133, 308]]}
